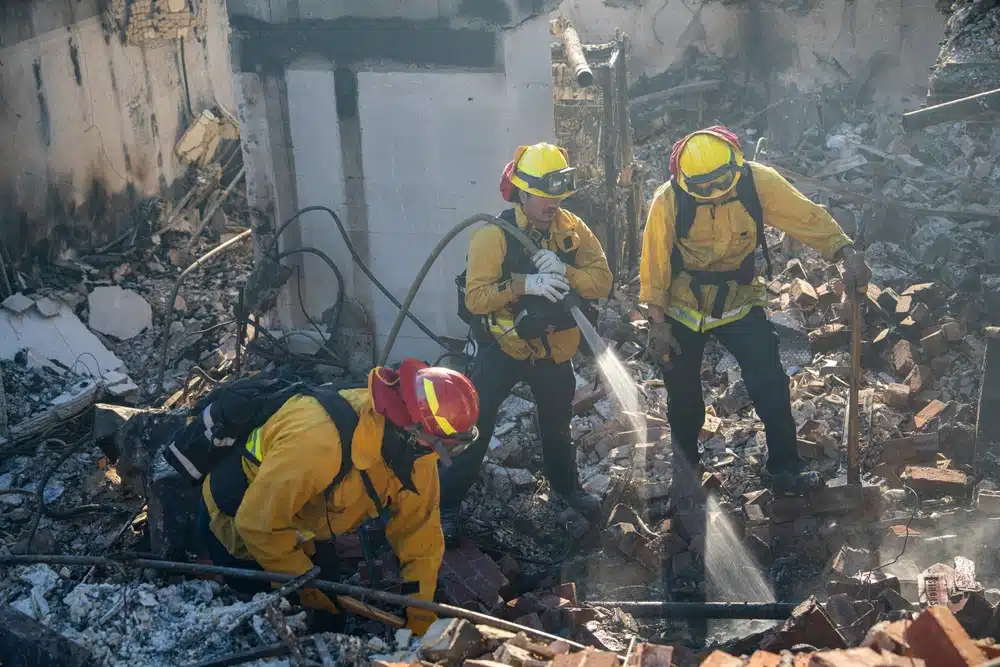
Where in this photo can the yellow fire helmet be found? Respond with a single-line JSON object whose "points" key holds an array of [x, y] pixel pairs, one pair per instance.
{"points": [[709, 166], [543, 170]]}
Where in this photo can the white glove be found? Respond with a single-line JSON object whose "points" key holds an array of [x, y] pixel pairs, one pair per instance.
{"points": [[548, 262], [550, 285]]}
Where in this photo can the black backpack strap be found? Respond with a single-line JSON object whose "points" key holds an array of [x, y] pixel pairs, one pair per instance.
{"points": [[343, 416], [746, 192], [685, 208]]}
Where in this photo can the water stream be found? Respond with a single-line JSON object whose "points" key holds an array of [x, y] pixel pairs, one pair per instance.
{"points": [[731, 572]]}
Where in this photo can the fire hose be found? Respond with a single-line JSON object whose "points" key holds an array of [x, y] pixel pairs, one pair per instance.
{"points": [[571, 305]]}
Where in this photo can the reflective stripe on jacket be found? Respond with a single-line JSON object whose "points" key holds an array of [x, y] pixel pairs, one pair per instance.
{"points": [[284, 506], [488, 294], [720, 239]]}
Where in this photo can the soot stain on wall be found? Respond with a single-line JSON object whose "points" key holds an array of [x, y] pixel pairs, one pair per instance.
{"points": [[44, 121], [493, 11], [74, 57]]}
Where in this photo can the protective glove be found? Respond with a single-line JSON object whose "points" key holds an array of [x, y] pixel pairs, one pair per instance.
{"points": [[317, 599], [549, 285], [857, 273], [660, 341], [548, 262]]}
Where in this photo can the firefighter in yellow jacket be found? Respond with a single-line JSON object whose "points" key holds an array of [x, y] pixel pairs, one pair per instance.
{"points": [[280, 503], [698, 277], [522, 328]]}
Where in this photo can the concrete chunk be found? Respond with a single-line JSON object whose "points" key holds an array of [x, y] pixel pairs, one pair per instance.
{"points": [[902, 358], [17, 303], [803, 294], [118, 312]]}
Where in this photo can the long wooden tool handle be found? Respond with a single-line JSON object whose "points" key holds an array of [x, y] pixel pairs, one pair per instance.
{"points": [[853, 409], [361, 609]]}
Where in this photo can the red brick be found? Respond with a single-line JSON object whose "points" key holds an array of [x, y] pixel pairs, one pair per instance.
{"points": [[834, 501], [587, 658], [587, 397], [711, 427], [920, 378], [886, 636], [651, 655], [468, 575], [568, 591], [658, 552], [938, 638], [764, 659], [855, 657], [718, 659], [809, 624], [916, 448], [935, 482], [934, 345], [928, 414], [902, 358], [897, 396], [803, 294]]}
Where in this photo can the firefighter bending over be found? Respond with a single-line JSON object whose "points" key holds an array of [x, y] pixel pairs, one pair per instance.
{"points": [[278, 504]]}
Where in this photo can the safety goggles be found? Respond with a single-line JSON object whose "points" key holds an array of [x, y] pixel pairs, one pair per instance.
{"points": [[445, 446], [554, 183], [719, 179]]}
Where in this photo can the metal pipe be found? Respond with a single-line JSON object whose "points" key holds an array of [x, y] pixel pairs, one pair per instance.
{"points": [[853, 410], [961, 109], [575, 57], [404, 308], [773, 611], [173, 296], [333, 587]]}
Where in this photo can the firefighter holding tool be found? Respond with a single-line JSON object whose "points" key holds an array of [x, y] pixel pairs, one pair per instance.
{"points": [[516, 305], [699, 278], [326, 461]]}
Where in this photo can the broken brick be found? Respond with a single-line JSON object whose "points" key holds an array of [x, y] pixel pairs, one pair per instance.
{"points": [[587, 658], [651, 655], [587, 397], [469, 576], [920, 378], [919, 313], [897, 396], [516, 656], [935, 482], [829, 337], [958, 441], [941, 366], [937, 637], [719, 659], [854, 657], [888, 636], [809, 624], [903, 306], [954, 331], [902, 358], [889, 300], [803, 294], [451, 640], [863, 503], [810, 450], [764, 659], [656, 553], [931, 411], [568, 591], [830, 293], [711, 427], [926, 293], [934, 345], [916, 448]]}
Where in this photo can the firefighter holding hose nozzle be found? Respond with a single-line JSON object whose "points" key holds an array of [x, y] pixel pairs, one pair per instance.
{"points": [[699, 278], [516, 306]]}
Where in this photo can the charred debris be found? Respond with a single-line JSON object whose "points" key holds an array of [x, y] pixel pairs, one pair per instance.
{"points": [[899, 571]]}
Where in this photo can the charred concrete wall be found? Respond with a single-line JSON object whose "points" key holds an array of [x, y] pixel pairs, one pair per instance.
{"points": [[397, 115], [786, 47], [90, 121]]}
